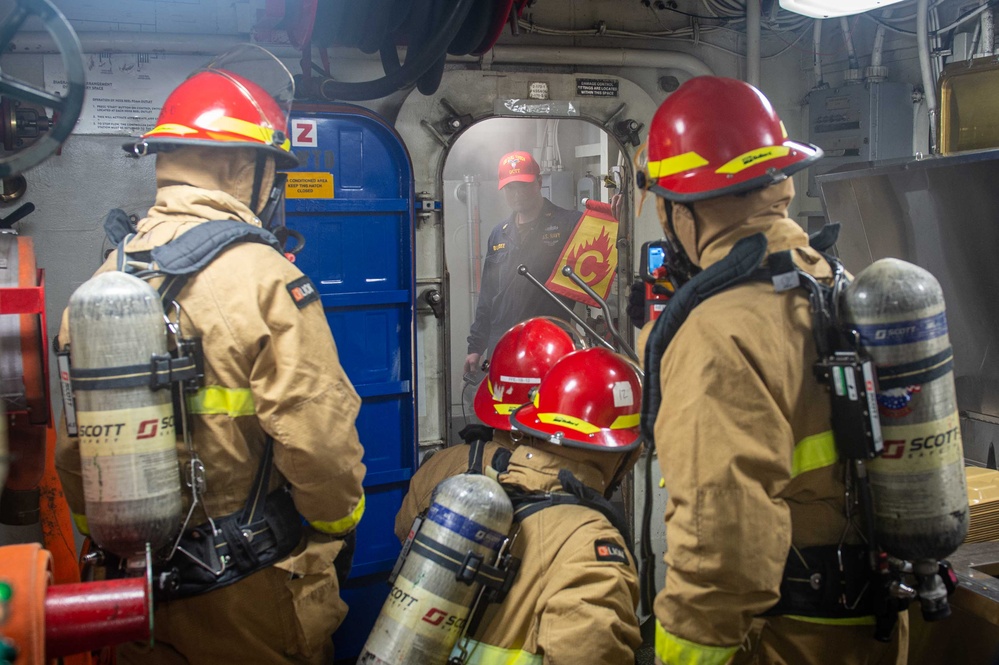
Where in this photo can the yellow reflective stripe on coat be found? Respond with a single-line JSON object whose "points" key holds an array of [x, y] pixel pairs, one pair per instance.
{"points": [[232, 402], [486, 654], [345, 524], [81, 523], [673, 650], [814, 452]]}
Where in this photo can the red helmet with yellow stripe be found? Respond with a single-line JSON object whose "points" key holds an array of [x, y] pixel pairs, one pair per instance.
{"points": [[219, 107], [716, 136], [522, 357], [590, 399]]}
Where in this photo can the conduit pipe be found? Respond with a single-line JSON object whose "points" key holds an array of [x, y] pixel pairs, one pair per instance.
{"points": [[879, 41], [876, 72], [753, 38], [38, 43], [853, 74], [925, 69], [817, 51]]}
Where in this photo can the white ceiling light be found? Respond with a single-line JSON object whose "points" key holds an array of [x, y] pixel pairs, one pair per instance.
{"points": [[833, 8]]}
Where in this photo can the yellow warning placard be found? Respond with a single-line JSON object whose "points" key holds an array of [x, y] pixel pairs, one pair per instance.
{"points": [[304, 185]]}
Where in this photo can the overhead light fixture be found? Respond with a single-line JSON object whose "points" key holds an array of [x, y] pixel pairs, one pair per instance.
{"points": [[833, 8]]}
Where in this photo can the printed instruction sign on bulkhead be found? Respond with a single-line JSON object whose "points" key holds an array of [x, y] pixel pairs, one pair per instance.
{"points": [[125, 91]]}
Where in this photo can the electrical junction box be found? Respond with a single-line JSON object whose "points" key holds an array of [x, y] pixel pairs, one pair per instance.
{"points": [[859, 122], [559, 187]]}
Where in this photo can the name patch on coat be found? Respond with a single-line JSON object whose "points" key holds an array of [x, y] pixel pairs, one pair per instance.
{"points": [[610, 551], [303, 291]]}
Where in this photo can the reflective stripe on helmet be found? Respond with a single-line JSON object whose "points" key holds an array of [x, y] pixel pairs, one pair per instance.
{"points": [[626, 421], [568, 421], [677, 164], [621, 422], [753, 157], [231, 126], [171, 128]]}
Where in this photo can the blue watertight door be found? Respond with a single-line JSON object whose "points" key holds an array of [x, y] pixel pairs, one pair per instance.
{"points": [[352, 199]]}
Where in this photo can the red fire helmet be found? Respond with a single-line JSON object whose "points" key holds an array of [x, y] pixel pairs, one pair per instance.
{"points": [[716, 136], [590, 399], [522, 357], [218, 107]]}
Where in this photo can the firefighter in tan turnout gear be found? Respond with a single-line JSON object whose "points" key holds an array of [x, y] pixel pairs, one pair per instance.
{"points": [[755, 486], [275, 402], [574, 597]]}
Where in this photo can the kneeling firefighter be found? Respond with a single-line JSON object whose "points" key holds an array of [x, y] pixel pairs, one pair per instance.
{"points": [[574, 583], [574, 597], [269, 458], [765, 548]]}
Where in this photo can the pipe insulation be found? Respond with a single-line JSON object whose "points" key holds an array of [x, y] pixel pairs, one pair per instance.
{"points": [[39, 43], [817, 51]]}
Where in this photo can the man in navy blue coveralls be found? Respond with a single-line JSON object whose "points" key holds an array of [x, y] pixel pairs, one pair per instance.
{"points": [[534, 235]]}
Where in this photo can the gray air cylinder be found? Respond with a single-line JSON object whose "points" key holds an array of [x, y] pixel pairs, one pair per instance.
{"points": [[128, 447], [427, 607], [918, 483]]}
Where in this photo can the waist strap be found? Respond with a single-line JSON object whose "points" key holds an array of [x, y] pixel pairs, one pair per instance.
{"points": [[225, 550], [828, 582]]}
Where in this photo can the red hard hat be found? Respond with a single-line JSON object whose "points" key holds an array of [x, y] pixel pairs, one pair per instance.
{"points": [[517, 166], [590, 399], [218, 107], [523, 355], [716, 136]]}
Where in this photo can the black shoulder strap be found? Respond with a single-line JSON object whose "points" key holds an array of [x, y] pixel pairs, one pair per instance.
{"points": [[476, 449], [576, 494], [196, 248], [190, 252], [476, 436], [738, 267]]}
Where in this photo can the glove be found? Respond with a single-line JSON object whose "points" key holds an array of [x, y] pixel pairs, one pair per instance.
{"points": [[636, 304]]}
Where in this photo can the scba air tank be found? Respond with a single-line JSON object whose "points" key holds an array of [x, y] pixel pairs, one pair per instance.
{"points": [[128, 449], [918, 482], [427, 607]]}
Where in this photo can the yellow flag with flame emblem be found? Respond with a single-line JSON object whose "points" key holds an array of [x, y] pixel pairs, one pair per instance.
{"points": [[591, 252]]}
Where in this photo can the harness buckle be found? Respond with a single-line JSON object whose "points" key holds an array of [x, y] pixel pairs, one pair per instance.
{"points": [[469, 569]]}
